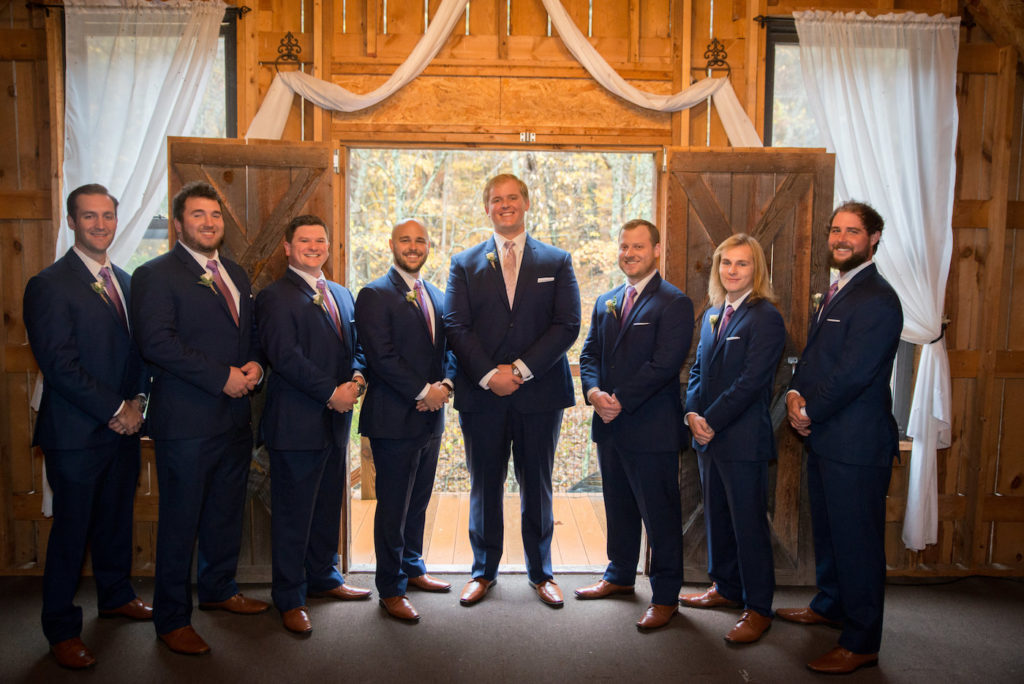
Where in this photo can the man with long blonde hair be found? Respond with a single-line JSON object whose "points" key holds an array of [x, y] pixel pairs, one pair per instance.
{"points": [[727, 409]]}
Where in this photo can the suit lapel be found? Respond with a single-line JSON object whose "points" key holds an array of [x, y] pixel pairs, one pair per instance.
{"points": [[403, 290], [83, 273], [737, 316], [838, 297], [345, 315], [641, 302], [310, 294], [193, 267]]}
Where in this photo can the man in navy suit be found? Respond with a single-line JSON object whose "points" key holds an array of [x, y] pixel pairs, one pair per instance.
{"points": [[400, 318], [93, 394], [639, 337], [512, 309], [308, 335], [727, 409], [840, 402], [193, 318]]}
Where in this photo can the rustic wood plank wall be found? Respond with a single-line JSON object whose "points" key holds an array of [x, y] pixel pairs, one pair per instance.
{"points": [[486, 87]]}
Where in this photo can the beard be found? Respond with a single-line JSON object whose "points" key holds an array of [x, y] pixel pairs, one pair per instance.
{"points": [[406, 266], [853, 261]]}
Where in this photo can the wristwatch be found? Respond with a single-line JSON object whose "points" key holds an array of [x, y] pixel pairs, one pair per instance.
{"points": [[361, 386], [516, 372]]}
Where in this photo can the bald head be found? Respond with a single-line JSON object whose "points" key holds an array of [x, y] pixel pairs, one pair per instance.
{"points": [[410, 245]]}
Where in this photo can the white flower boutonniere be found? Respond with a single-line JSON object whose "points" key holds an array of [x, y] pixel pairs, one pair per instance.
{"points": [[410, 296], [610, 305], [318, 299], [206, 281], [492, 259], [714, 321], [97, 287], [816, 300]]}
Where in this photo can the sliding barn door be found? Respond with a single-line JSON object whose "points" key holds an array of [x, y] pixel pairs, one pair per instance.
{"points": [[783, 198], [264, 184]]}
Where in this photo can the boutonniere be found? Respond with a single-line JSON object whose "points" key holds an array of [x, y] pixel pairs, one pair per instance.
{"points": [[713, 318], [492, 259], [816, 301], [610, 305], [206, 281], [97, 287], [318, 299], [410, 296]]}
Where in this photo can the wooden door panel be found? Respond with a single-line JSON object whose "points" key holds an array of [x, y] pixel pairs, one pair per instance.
{"points": [[779, 197], [264, 184]]}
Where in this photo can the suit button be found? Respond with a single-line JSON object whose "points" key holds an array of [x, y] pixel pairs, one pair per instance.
{"points": [[511, 325]]}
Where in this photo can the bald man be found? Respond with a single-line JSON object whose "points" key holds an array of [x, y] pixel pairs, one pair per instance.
{"points": [[410, 374]]}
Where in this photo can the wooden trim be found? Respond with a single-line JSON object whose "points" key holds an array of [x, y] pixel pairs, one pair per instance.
{"points": [[249, 152], [976, 550], [997, 508], [950, 507], [974, 214], [25, 204], [497, 68], [978, 58]]}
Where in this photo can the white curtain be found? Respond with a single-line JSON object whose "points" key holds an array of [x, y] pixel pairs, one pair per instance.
{"points": [[136, 72], [883, 91], [269, 121]]}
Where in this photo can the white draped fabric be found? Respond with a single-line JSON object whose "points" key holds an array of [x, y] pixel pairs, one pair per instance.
{"points": [[270, 120], [136, 72], [883, 91]]}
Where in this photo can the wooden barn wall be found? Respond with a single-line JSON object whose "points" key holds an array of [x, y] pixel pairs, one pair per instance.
{"points": [[487, 87]]}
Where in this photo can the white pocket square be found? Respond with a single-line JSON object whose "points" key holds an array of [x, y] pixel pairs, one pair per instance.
{"points": [[732, 338], [641, 323], [546, 280], [831, 320]]}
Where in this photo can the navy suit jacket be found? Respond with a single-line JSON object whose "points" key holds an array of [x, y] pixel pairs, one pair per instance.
{"points": [[308, 360], [845, 369], [639, 361], [89, 362], [400, 358], [186, 334], [732, 379], [542, 325]]}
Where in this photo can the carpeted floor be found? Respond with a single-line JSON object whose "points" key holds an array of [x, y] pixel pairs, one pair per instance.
{"points": [[969, 630]]}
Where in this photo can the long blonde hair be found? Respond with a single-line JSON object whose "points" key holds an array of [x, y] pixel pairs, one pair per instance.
{"points": [[761, 285]]}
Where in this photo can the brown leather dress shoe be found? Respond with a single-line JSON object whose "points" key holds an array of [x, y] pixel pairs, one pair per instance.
{"points": [[656, 616], [475, 590], [549, 593], [602, 589], [297, 620], [805, 616], [239, 603], [185, 640], [709, 599], [427, 583], [399, 607], [73, 654], [344, 592], [749, 628], [136, 609], [841, 661]]}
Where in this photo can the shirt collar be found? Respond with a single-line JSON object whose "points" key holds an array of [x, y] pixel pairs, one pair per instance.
{"points": [[409, 278], [639, 287], [201, 259], [519, 241], [736, 304], [846, 277], [90, 263], [310, 280]]}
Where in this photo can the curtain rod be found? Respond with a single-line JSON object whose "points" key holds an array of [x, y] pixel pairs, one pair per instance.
{"points": [[46, 7]]}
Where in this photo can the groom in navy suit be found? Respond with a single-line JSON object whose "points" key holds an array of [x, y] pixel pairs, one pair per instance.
{"points": [[727, 409], [512, 310], [308, 335], [400, 318], [93, 395], [841, 404], [639, 337], [193, 319]]}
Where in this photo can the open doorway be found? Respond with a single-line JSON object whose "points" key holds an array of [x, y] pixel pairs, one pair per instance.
{"points": [[578, 201]]}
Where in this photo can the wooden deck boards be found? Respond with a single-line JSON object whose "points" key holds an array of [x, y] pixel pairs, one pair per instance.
{"points": [[579, 540]]}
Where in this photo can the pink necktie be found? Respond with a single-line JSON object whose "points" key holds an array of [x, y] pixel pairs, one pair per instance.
{"points": [[828, 297], [627, 305], [223, 287], [508, 269], [321, 287], [423, 307], [726, 317], [115, 299]]}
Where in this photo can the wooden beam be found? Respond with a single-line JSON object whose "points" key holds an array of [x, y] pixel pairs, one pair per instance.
{"points": [[25, 204], [22, 45], [1003, 20], [978, 58]]}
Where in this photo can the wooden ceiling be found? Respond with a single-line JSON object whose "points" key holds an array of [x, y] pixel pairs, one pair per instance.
{"points": [[1003, 20]]}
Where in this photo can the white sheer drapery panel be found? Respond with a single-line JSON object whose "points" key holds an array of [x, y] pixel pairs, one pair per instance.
{"points": [[883, 91], [136, 72], [270, 120]]}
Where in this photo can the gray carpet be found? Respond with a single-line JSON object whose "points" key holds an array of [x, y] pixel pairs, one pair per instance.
{"points": [[969, 630]]}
